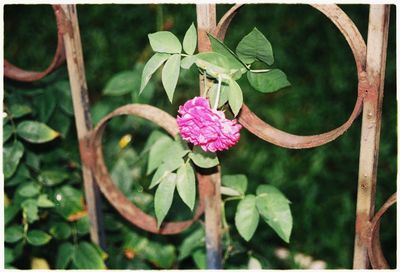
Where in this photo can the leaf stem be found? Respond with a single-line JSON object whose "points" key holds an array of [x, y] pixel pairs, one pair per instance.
{"points": [[234, 198], [218, 93], [205, 84], [74, 234], [225, 229], [260, 70]]}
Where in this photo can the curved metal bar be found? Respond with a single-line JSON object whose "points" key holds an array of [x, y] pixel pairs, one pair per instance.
{"points": [[278, 137], [375, 253], [125, 207], [13, 72]]}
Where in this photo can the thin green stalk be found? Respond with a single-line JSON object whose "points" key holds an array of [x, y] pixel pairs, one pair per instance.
{"points": [[260, 71], [160, 17], [218, 93], [225, 230]]}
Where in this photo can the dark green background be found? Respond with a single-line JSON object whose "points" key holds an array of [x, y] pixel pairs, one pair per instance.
{"points": [[321, 182]]}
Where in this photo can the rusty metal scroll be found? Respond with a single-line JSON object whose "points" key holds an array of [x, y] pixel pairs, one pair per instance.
{"points": [[278, 137], [375, 253], [13, 72], [125, 207]]}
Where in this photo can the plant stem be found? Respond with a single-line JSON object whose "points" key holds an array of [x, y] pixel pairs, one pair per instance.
{"points": [[225, 229], [233, 198], [205, 84], [218, 93], [260, 71], [160, 17], [74, 234]]}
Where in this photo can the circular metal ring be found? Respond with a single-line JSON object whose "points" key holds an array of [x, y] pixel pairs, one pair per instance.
{"points": [[278, 137], [375, 253], [125, 207], [13, 72]]}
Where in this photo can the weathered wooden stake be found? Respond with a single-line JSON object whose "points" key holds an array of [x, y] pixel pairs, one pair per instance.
{"points": [[83, 122], [370, 131], [206, 22]]}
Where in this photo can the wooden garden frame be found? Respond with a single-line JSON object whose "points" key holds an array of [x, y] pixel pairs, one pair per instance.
{"points": [[370, 59]]}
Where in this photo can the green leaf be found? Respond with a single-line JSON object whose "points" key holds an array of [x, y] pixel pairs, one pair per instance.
{"points": [[151, 66], [255, 46], [247, 217], [274, 208], [53, 177], [21, 175], [271, 190], [29, 189], [203, 159], [36, 132], [268, 82], [165, 42], [236, 182], [11, 157], [69, 202], [165, 170], [152, 139], [13, 233], [221, 48], [214, 63], [179, 147], [44, 202], [157, 152], [60, 122], [122, 83], [161, 255], [83, 225], [7, 132], [223, 96], [102, 253], [30, 209], [200, 259], [186, 185], [87, 257], [170, 75], [32, 160], [64, 97], [229, 191], [132, 240], [18, 249], [19, 110], [44, 105], [190, 40], [10, 212], [173, 162], [164, 196], [159, 175], [61, 231], [191, 242], [254, 264], [187, 62], [38, 237], [64, 255], [235, 97], [8, 256], [121, 174]]}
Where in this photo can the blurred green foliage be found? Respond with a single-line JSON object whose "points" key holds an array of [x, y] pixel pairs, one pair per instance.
{"points": [[321, 182]]}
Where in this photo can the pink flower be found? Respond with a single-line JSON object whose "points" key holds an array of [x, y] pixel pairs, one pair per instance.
{"points": [[206, 127]]}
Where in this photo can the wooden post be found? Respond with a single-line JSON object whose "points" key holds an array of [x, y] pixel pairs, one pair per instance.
{"points": [[370, 131], [83, 122], [206, 22]]}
